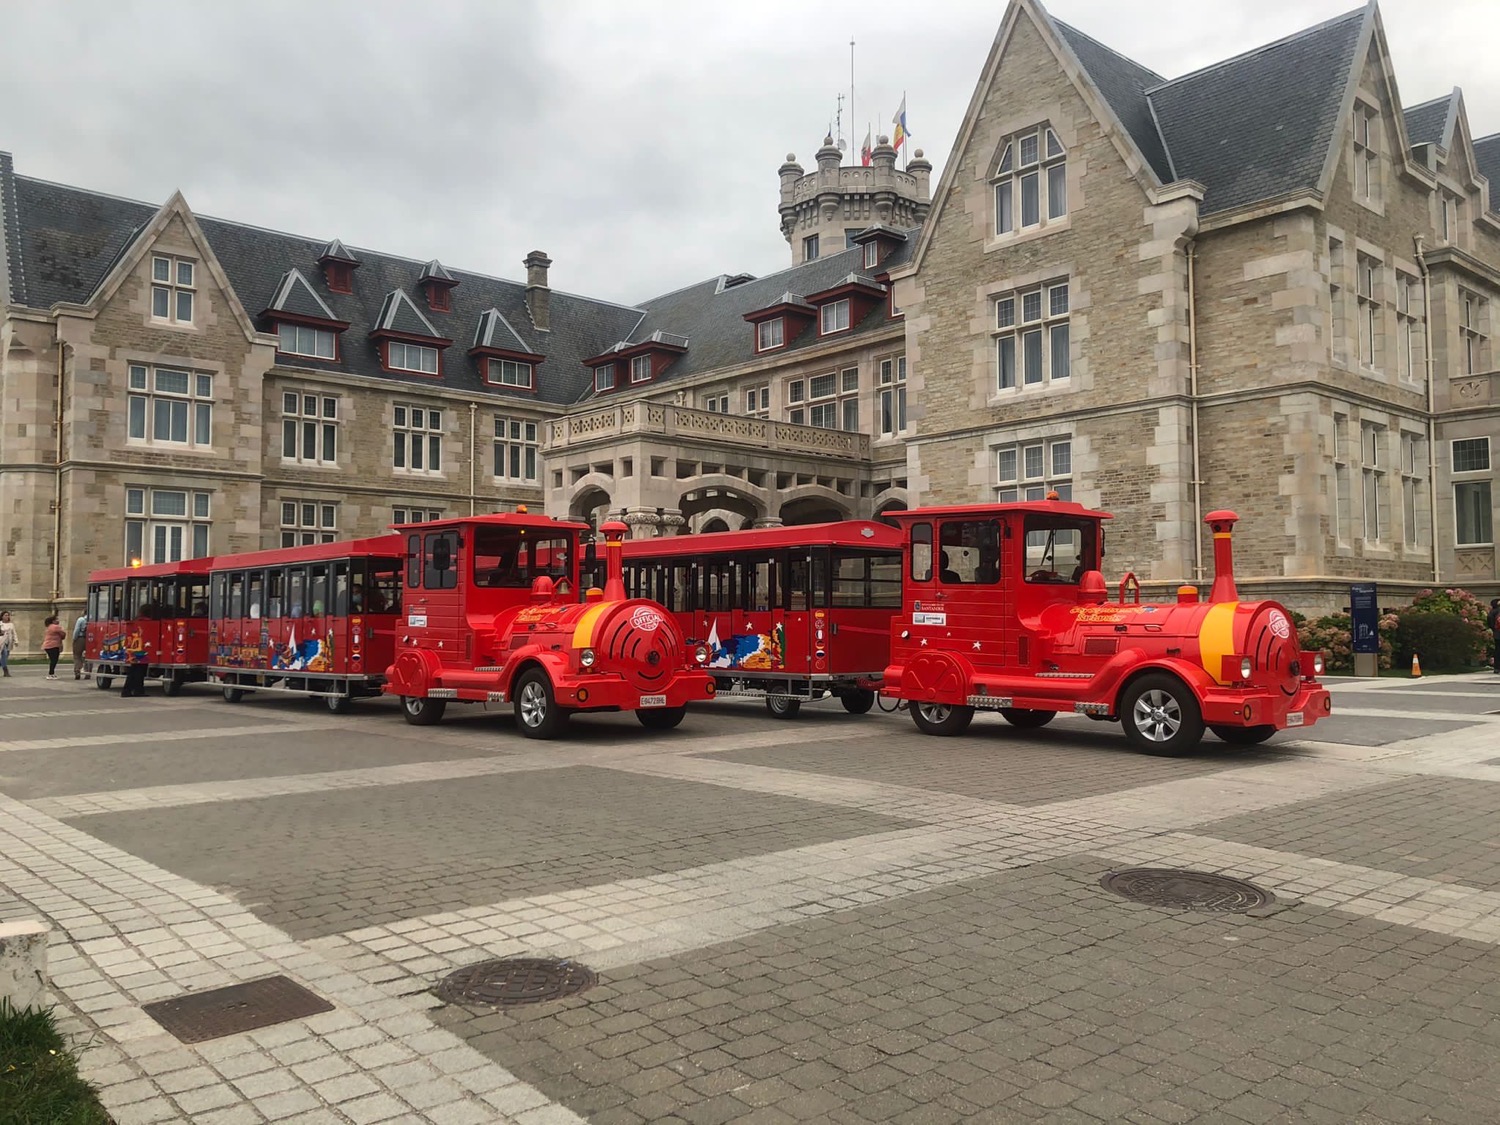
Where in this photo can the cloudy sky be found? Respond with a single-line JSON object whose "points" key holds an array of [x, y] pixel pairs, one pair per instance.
{"points": [[635, 141]]}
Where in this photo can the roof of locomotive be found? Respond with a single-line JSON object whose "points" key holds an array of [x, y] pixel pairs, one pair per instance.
{"points": [[1039, 507], [150, 570], [844, 533], [389, 546], [523, 520]]}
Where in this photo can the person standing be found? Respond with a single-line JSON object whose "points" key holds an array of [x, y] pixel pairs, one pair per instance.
{"points": [[80, 638], [1493, 621], [52, 645], [7, 641]]}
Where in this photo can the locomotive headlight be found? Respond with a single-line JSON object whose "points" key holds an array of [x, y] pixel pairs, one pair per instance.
{"points": [[586, 658], [1246, 667], [700, 654], [1318, 664]]}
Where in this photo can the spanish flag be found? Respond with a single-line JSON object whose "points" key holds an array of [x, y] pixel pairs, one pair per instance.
{"points": [[900, 122]]}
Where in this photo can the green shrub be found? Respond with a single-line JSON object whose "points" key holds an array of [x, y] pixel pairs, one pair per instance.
{"points": [[1443, 642], [1331, 636], [39, 1083], [1468, 614]]}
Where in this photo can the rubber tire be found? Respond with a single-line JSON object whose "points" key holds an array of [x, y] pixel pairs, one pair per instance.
{"points": [[1244, 736], [172, 684], [103, 682], [1022, 719], [552, 719], [661, 718], [780, 707], [940, 719], [233, 694], [422, 712], [858, 701], [339, 704], [1189, 733]]}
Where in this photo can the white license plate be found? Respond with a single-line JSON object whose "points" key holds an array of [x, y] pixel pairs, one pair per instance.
{"points": [[1294, 718], [661, 701]]}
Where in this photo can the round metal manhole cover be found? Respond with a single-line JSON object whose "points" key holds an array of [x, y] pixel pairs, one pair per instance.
{"points": [[515, 981], [1186, 890]]}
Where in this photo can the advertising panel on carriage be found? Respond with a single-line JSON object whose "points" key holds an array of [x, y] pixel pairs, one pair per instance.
{"points": [[156, 615]]}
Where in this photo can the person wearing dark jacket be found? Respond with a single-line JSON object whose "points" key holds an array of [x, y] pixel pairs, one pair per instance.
{"points": [[1493, 621]]}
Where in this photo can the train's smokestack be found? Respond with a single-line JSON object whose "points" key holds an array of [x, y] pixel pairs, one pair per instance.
{"points": [[1222, 522], [614, 533]]}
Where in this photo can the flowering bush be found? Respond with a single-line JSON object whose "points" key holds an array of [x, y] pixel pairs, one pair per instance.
{"points": [[1470, 640], [1331, 636]]}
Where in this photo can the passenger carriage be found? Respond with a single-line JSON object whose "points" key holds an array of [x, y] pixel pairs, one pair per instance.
{"points": [[317, 620], [156, 615], [1005, 609], [789, 614]]}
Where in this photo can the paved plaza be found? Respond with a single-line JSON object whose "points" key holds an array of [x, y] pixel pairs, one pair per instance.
{"points": [[832, 919]]}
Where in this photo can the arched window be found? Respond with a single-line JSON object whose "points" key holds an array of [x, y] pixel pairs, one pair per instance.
{"points": [[1031, 181]]}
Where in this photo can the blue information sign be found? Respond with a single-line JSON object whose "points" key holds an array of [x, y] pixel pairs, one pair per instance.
{"points": [[1364, 617]]}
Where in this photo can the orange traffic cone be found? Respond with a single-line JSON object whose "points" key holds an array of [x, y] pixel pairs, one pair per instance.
{"points": [[1416, 666]]}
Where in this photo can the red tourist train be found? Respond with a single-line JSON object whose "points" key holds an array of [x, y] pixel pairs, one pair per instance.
{"points": [[156, 615], [1005, 609], [789, 614]]}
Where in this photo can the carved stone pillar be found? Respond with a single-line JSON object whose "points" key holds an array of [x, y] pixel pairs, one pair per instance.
{"points": [[768, 521], [672, 521], [644, 523]]}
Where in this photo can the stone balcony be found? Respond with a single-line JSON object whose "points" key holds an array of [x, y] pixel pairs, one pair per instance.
{"points": [[680, 426]]}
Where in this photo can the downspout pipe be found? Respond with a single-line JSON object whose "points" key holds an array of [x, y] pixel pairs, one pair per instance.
{"points": [[57, 469], [1192, 304], [1427, 359], [473, 450]]}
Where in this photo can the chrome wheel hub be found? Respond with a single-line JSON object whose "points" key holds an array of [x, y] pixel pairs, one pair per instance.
{"points": [[533, 704], [1157, 715], [936, 712]]}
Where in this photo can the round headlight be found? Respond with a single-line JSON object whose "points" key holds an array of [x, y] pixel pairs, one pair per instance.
{"points": [[586, 658], [1318, 664], [700, 654], [1246, 667]]}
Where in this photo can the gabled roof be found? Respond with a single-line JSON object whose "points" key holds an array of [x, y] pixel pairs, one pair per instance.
{"points": [[336, 252], [294, 295], [398, 313], [1431, 123], [1122, 83], [9, 235], [434, 271], [494, 331], [1260, 125]]}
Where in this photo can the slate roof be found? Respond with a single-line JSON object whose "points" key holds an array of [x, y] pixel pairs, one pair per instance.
{"points": [[1123, 84], [399, 314], [1425, 123], [1487, 158], [296, 295]]}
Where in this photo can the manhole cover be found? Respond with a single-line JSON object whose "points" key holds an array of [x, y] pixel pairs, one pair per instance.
{"points": [[514, 981], [1186, 890], [238, 1008]]}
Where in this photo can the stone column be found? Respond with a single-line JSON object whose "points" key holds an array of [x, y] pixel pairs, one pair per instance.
{"points": [[672, 521], [644, 523], [768, 521]]}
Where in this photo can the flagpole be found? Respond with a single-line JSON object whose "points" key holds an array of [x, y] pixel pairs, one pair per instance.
{"points": [[906, 157], [852, 118]]}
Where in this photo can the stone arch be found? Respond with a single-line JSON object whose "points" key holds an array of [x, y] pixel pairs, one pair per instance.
{"points": [[814, 503], [734, 501], [890, 500], [712, 521], [591, 500]]}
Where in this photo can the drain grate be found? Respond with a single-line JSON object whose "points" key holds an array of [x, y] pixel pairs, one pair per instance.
{"points": [[1186, 890], [238, 1008], [514, 981]]}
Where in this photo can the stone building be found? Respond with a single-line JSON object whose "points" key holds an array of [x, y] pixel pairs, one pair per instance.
{"points": [[1266, 285]]}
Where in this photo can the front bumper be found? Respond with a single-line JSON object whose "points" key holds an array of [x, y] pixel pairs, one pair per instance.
{"points": [[1258, 707], [586, 693]]}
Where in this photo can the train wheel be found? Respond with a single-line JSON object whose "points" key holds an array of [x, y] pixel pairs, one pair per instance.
{"points": [[1027, 720], [780, 707], [941, 718], [233, 694], [422, 712], [661, 718], [537, 712], [338, 704], [1161, 715], [858, 701], [172, 684], [103, 682], [1244, 736]]}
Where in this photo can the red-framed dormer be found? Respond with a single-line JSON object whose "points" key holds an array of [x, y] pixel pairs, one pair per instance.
{"points": [[338, 266], [847, 302], [777, 325], [305, 327], [407, 341], [636, 364], [436, 285], [503, 360]]}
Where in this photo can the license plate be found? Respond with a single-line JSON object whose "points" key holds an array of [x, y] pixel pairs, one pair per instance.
{"points": [[1294, 718], [658, 701]]}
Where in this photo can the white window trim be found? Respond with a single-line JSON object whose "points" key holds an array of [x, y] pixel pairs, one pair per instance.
{"points": [[424, 432], [527, 440], [892, 384], [174, 288], [299, 531], [638, 364], [760, 328], [1006, 214], [421, 349], [1027, 486], [1019, 327], [319, 334], [149, 394], [833, 307], [604, 377], [320, 419], [415, 515], [520, 366], [147, 521]]}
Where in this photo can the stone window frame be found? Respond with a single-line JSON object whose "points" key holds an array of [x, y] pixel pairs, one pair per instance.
{"points": [[305, 522], [402, 514], [1338, 313], [1369, 290], [810, 248], [1016, 321], [1365, 174], [892, 387], [296, 418], [1047, 166], [145, 396], [1413, 486], [1411, 325], [1343, 486], [1477, 478], [1473, 337], [408, 435], [517, 449], [170, 292], [829, 409], [1375, 503], [1019, 482], [143, 520], [716, 403], [796, 401], [758, 401]]}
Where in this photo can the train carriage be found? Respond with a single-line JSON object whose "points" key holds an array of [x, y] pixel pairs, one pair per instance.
{"points": [[789, 614], [316, 620], [494, 615], [1005, 608], [156, 615]]}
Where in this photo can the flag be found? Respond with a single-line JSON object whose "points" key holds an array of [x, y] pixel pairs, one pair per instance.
{"points": [[900, 122], [865, 153]]}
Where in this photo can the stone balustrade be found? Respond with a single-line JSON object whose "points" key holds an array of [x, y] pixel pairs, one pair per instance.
{"points": [[675, 422]]}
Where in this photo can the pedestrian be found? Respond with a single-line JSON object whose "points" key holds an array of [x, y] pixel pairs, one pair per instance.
{"points": [[1493, 621], [80, 638], [7, 641], [52, 645]]}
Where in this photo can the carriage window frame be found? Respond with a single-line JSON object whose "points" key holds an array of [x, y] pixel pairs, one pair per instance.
{"points": [[440, 567], [296, 592], [339, 574], [236, 603], [414, 561], [317, 590], [954, 535], [921, 566], [275, 592], [218, 595]]}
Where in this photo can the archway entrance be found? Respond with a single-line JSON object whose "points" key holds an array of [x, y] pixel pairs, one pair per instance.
{"points": [[591, 506]]}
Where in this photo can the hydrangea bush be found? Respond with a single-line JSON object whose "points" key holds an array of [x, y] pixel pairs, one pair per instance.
{"points": [[1332, 634]]}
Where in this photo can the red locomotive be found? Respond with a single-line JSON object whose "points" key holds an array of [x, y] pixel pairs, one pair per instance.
{"points": [[156, 615], [789, 614], [1005, 609], [493, 615]]}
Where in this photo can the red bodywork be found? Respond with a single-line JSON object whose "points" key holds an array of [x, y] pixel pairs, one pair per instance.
{"points": [[1005, 608], [493, 601], [156, 615], [315, 620], [785, 611]]}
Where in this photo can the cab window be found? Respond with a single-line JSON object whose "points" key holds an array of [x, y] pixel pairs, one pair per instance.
{"points": [[921, 552], [1060, 549], [969, 553]]}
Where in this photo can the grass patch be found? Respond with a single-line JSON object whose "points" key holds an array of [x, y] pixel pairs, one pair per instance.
{"points": [[39, 1083]]}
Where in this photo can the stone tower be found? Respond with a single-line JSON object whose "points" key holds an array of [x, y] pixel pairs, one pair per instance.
{"points": [[821, 209]]}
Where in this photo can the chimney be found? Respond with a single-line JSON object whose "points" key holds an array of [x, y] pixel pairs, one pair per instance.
{"points": [[536, 264], [1222, 522]]}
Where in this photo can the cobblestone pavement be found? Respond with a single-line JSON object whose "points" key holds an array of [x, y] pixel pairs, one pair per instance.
{"points": [[833, 919]]}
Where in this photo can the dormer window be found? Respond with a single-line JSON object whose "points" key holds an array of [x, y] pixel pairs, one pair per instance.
{"points": [[435, 282], [1031, 180], [872, 255], [834, 317], [438, 299], [340, 277], [509, 373], [604, 377], [417, 358], [770, 335], [305, 340], [640, 369]]}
